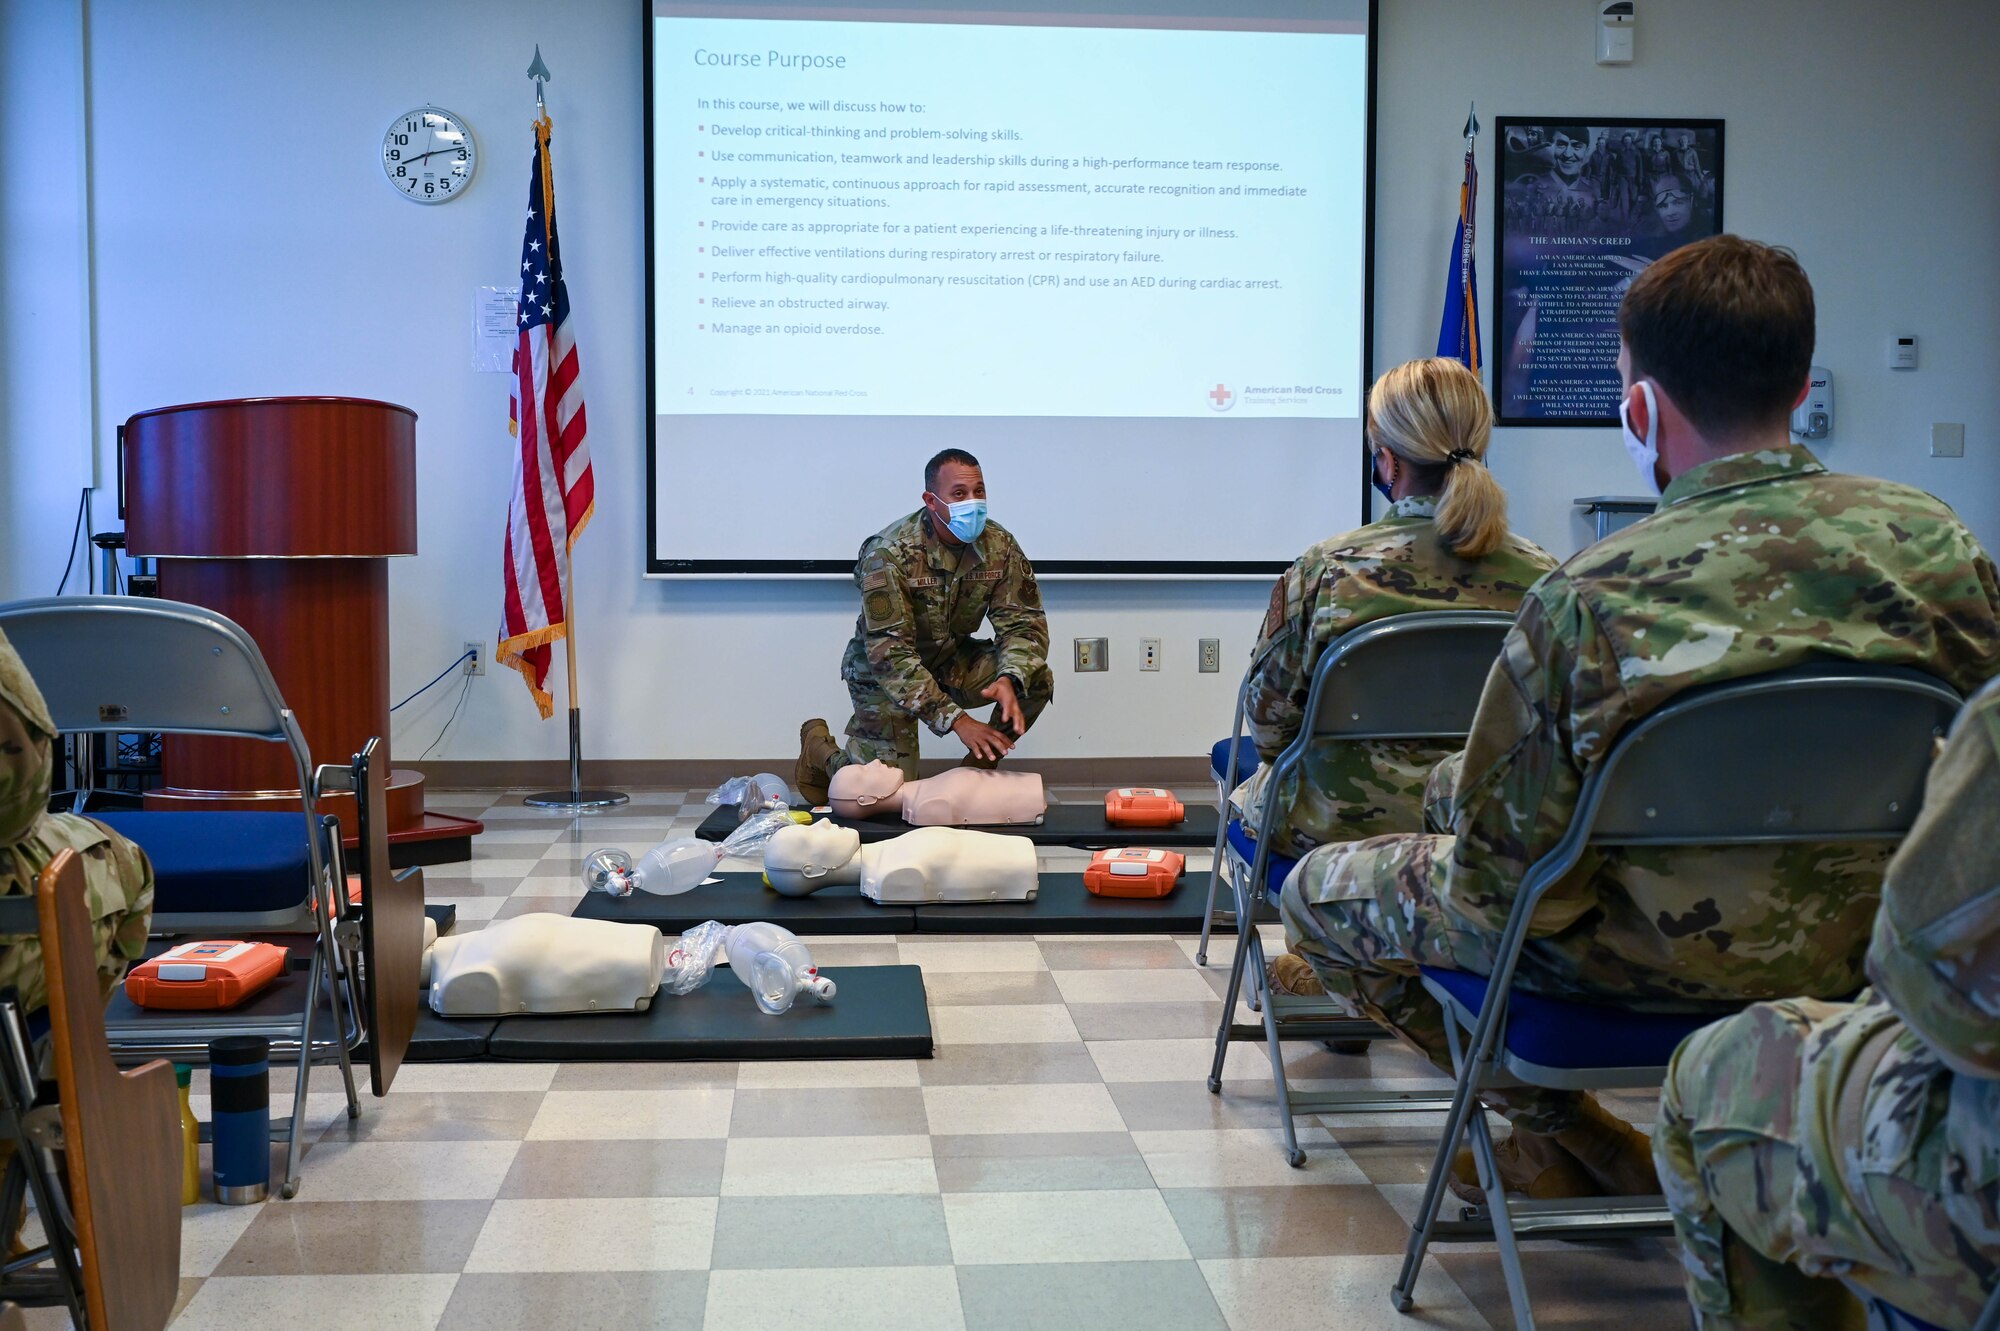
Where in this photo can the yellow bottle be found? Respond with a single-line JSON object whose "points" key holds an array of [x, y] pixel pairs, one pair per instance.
{"points": [[190, 1141]]}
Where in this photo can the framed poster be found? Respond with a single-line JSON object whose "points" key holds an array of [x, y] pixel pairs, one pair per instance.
{"points": [[1583, 206]]}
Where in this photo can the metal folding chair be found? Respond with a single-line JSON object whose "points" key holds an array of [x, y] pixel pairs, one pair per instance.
{"points": [[110, 664], [1413, 676], [1835, 752]]}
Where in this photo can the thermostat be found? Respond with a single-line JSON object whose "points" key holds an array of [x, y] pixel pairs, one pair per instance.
{"points": [[1902, 352], [1615, 25]]}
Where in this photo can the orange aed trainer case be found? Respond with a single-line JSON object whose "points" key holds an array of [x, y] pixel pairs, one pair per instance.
{"points": [[1133, 872], [1142, 806], [204, 976]]}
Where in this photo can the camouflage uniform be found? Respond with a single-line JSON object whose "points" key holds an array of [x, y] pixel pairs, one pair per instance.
{"points": [[1396, 566], [1804, 1141], [913, 657], [117, 876], [1756, 561]]}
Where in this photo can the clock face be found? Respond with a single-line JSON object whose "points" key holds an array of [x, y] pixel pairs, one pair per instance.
{"points": [[428, 155]]}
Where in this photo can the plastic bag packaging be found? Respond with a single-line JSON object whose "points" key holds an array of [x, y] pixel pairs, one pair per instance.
{"points": [[749, 795], [692, 958], [770, 961], [679, 865]]}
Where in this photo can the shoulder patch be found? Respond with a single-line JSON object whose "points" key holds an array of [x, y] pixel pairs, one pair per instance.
{"points": [[1274, 618]]}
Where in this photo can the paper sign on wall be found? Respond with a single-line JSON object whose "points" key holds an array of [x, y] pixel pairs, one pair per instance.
{"points": [[493, 322]]}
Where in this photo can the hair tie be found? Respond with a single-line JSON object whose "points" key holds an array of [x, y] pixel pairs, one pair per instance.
{"points": [[1458, 455]]}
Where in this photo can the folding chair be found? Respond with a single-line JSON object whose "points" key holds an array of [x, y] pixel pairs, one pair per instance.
{"points": [[1830, 752], [99, 1149], [1408, 677], [108, 664]]}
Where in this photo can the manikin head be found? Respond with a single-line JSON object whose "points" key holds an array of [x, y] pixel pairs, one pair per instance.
{"points": [[1715, 351], [955, 496], [863, 790], [811, 852]]}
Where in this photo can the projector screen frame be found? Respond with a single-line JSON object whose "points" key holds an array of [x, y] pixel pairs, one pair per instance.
{"points": [[1058, 569]]}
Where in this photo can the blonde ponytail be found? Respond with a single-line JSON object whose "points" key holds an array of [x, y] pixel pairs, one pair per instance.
{"points": [[1433, 414]]}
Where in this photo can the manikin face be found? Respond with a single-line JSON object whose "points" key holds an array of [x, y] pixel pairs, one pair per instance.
{"points": [[956, 483], [1568, 155], [864, 784], [812, 850]]}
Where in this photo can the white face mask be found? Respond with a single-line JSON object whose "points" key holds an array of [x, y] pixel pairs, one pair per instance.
{"points": [[1645, 453]]}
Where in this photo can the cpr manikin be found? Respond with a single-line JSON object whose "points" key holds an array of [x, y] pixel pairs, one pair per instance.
{"points": [[547, 963], [961, 797], [930, 864]]}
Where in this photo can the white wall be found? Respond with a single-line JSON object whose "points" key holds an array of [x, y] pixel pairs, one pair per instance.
{"points": [[45, 427], [245, 245], [1860, 134]]}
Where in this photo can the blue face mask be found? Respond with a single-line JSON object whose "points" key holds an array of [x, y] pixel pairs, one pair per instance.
{"points": [[968, 519], [1381, 486]]}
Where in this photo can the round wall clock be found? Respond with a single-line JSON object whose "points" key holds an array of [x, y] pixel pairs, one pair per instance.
{"points": [[428, 155]]}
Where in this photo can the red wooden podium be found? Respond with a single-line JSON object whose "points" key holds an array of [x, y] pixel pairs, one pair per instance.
{"points": [[282, 512]]}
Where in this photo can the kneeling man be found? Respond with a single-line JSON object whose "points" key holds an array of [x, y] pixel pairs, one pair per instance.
{"points": [[927, 583]]}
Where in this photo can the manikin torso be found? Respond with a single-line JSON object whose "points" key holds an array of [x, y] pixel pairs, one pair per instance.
{"points": [[931, 864], [961, 797], [546, 963]]}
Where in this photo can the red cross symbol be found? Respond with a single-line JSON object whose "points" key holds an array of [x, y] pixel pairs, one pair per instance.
{"points": [[1220, 397]]}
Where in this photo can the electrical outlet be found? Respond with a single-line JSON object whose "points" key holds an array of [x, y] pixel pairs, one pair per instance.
{"points": [[1211, 656], [1149, 653], [1093, 653], [476, 665]]}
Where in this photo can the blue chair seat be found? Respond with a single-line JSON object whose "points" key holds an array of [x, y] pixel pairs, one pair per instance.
{"points": [[1246, 846], [1557, 1033], [220, 862], [1247, 761]]}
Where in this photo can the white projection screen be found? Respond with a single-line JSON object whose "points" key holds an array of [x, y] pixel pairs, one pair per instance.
{"points": [[1117, 249]]}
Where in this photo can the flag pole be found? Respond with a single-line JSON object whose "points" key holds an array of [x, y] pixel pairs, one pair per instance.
{"points": [[576, 797]]}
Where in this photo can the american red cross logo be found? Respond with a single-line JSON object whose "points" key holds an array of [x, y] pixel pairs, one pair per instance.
{"points": [[1220, 398]]}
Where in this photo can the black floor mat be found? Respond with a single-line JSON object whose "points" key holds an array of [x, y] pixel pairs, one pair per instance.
{"points": [[1078, 825], [878, 1012]]}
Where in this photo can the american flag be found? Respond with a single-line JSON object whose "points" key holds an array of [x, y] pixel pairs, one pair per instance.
{"points": [[551, 500]]}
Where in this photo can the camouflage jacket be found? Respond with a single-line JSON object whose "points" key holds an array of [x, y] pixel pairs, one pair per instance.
{"points": [[1936, 953], [1755, 562], [117, 876], [921, 602], [1397, 566]]}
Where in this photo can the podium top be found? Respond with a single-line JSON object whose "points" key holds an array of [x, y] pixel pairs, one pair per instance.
{"points": [[271, 478]]}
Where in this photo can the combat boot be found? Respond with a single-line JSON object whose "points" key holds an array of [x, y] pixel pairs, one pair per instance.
{"points": [[1531, 1165], [1617, 1156], [816, 751], [1290, 973]]}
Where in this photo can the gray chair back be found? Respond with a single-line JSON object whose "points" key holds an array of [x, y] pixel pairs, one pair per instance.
{"points": [[1416, 676], [127, 663], [1821, 752], [114, 664]]}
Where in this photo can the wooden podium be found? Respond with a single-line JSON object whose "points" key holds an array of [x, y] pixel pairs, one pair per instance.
{"points": [[281, 513]]}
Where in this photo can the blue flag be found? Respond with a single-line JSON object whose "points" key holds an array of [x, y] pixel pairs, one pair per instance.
{"points": [[1458, 331]]}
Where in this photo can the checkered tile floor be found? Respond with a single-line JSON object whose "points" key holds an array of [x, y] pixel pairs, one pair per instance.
{"points": [[1059, 1163]]}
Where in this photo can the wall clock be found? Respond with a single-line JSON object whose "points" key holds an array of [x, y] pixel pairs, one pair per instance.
{"points": [[428, 155]]}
